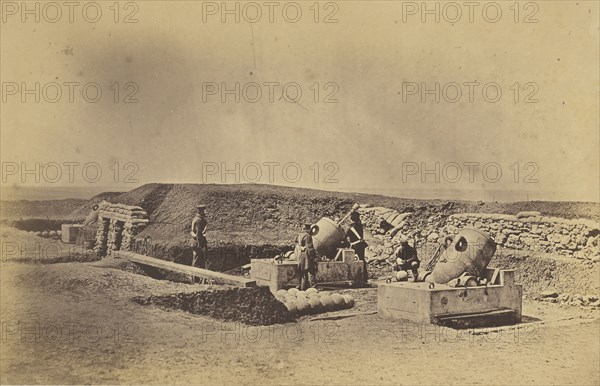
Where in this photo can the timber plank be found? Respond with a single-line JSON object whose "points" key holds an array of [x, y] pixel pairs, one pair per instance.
{"points": [[185, 269]]}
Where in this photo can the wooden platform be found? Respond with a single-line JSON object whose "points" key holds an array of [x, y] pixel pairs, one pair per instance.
{"points": [[421, 302], [282, 275], [218, 277]]}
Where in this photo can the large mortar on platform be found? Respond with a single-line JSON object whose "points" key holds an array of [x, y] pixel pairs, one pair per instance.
{"points": [[327, 237], [499, 302], [460, 290]]}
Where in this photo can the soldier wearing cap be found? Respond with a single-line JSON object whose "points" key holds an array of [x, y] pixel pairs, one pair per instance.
{"points": [[198, 233], [355, 237], [406, 259], [307, 259]]}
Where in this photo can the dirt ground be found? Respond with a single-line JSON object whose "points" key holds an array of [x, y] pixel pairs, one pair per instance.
{"points": [[75, 322]]}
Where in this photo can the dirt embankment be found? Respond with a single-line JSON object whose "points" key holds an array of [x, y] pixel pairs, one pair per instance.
{"points": [[265, 214], [253, 306], [249, 220], [539, 272], [67, 210], [82, 211], [244, 221]]}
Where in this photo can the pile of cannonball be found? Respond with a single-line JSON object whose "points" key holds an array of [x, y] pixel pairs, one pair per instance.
{"points": [[312, 301], [47, 234]]}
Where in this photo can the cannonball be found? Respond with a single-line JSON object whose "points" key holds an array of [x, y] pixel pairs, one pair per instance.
{"points": [[292, 307], [281, 292], [52, 234], [338, 300], [326, 301], [45, 234], [315, 304], [38, 233], [293, 291], [349, 300], [401, 276], [313, 295], [303, 306], [312, 291]]}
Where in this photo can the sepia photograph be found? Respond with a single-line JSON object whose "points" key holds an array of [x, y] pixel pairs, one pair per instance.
{"points": [[308, 192]]}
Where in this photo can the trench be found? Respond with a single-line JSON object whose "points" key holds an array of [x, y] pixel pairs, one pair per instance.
{"points": [[36, 224]]}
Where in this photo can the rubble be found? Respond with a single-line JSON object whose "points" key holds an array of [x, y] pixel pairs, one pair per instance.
{"points": [[549, 294], [565, 298]]}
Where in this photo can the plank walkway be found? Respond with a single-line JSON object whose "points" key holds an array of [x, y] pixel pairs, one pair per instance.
{"points": [[218, 277]]}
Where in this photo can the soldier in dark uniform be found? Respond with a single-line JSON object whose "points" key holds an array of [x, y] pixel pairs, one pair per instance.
{"points": [[198, 233], [307, 260], [355, 236], [407, 260]]}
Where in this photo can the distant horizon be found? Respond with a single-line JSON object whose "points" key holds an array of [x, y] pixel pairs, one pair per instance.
{"points": [[48, 193], [373, 104]]}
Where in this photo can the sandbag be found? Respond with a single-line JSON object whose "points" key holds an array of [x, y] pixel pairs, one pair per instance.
{"points": [[390, 220]]}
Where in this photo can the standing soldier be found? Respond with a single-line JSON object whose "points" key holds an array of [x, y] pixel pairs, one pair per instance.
{"points": [[355, 236], [198, 233], [307, 259]]}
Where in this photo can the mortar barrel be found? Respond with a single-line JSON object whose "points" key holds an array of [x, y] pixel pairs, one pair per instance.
{"points": [[327, 236], [470, 251]]}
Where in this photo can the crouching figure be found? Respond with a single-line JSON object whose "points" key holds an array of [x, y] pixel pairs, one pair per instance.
{"points": [[406, 260]]}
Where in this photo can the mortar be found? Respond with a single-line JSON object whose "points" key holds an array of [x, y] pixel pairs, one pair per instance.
{"points": [[500, 302]]}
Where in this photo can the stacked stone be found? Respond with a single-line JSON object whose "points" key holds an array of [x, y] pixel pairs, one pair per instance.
{"points": [[126, 222], [112, 235], [527, 230], [102, 236]]}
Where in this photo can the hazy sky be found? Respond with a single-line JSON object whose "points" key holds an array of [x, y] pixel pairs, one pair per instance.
{"points": [[371, 61]]}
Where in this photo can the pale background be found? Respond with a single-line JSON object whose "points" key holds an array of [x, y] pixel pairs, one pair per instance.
{"points": [[170, 52]]}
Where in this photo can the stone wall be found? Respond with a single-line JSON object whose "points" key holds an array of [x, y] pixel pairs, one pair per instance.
{"points": [[526, 230], [531, 231]]}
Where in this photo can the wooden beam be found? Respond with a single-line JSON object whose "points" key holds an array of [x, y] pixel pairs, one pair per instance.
{"points": [[495, 276], [218, 277], [491, 318], [342, 316]]}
